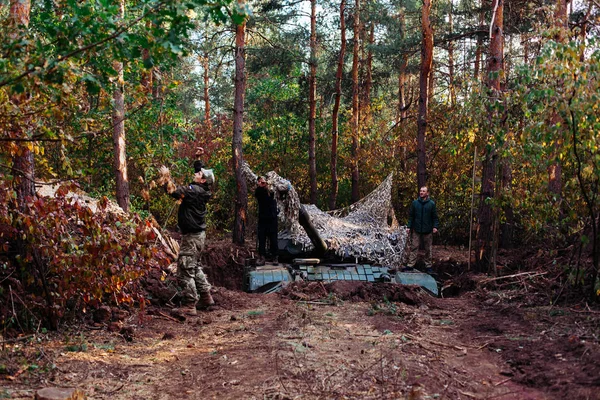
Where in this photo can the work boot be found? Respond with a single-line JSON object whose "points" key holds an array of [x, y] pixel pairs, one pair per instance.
{"points": [[187, 310], [205, 302]]}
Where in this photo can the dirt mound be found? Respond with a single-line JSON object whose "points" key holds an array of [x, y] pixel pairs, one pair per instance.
{"points": [[354, 291], [224, 264]]}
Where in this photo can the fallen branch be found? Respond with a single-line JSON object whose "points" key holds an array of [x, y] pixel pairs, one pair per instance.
{"points": [[588, 311], [530, 274], [320, 303], [19, 339], [161, 314], [452, 346]]}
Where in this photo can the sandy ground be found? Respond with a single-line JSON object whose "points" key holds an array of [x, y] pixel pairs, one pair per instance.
{"points": [[341, 340]]}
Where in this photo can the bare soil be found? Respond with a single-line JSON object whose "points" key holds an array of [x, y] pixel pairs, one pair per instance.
{"points": [[342, 340]]}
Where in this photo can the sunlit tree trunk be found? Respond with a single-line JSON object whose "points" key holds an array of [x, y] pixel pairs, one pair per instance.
{"points": [[584, 28], [366, 107], [487, 229], [479, 45], [336, 108], [402, 85], [402, 77], [355, 104], [451, 59], [426, 65], [119, 140], [555, 169], [312, 103], [431, 84], [206, 80], [241, 192], [23, 162]]}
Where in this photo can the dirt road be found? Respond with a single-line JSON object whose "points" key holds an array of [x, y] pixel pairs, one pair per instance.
{"points": [[344, 340]]}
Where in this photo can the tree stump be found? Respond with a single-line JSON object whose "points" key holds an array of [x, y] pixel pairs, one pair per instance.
{"points": [[55, 393]]}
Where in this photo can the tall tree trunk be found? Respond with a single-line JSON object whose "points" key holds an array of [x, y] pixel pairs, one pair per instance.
{"points": [[207, 120], [336, 108], [451, 59], [426, 65], [355, 104], [23, 161], [402, 78], [241, 193], [366, 106], [555, 169], [312, 103], [431, 84], [119, 140], [525, 45], [402, 84], [486, 233], [479, 45]]}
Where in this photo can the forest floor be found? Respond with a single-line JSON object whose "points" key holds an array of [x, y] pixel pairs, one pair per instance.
{"points": [[493, 339]]}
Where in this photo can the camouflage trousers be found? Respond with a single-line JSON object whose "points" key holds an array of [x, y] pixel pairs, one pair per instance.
{"points": [[190, 276], [415, 241]]}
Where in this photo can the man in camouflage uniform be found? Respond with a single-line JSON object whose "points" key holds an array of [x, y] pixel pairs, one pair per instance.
{"points": [[191, 218]]}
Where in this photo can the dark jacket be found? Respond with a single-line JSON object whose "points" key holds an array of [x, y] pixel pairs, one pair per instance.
{"points": [[423, 216], [191, 216], [267, 205]]}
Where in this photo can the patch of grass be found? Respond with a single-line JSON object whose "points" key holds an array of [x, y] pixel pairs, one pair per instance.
{"points": [[76, 348], [105, 346], [387, 308], [255, 313]]}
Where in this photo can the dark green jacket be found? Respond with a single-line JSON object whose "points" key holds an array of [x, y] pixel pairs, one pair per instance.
{"points": [[423, 216]]}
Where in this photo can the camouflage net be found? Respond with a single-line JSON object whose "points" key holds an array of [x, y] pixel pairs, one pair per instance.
{"points": [[366, 230]]}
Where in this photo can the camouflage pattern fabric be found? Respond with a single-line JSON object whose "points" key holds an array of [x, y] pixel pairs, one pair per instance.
{"points": [[192, 279], [415, 239]]}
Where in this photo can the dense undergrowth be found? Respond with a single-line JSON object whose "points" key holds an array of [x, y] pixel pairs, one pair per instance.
{"points": [[60, 258]]}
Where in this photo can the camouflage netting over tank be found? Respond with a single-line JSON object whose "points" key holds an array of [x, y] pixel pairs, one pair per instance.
{"points": [[366, 230]]}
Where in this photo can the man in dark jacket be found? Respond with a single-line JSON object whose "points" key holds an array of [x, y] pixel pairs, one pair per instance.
{"points": [[422, 224], [267, 220], [191, 218]]}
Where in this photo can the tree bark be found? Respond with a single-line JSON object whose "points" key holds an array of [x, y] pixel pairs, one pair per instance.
{"points": [[312, 103], [336, 108], [355, 195], [402, 84], [426, 65], [207, 120], [366, 103], [479, 45], [402, 78], [555, 169], [23, 161], [486, 232], [241, 195], [451, 87], [119, 140]]}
